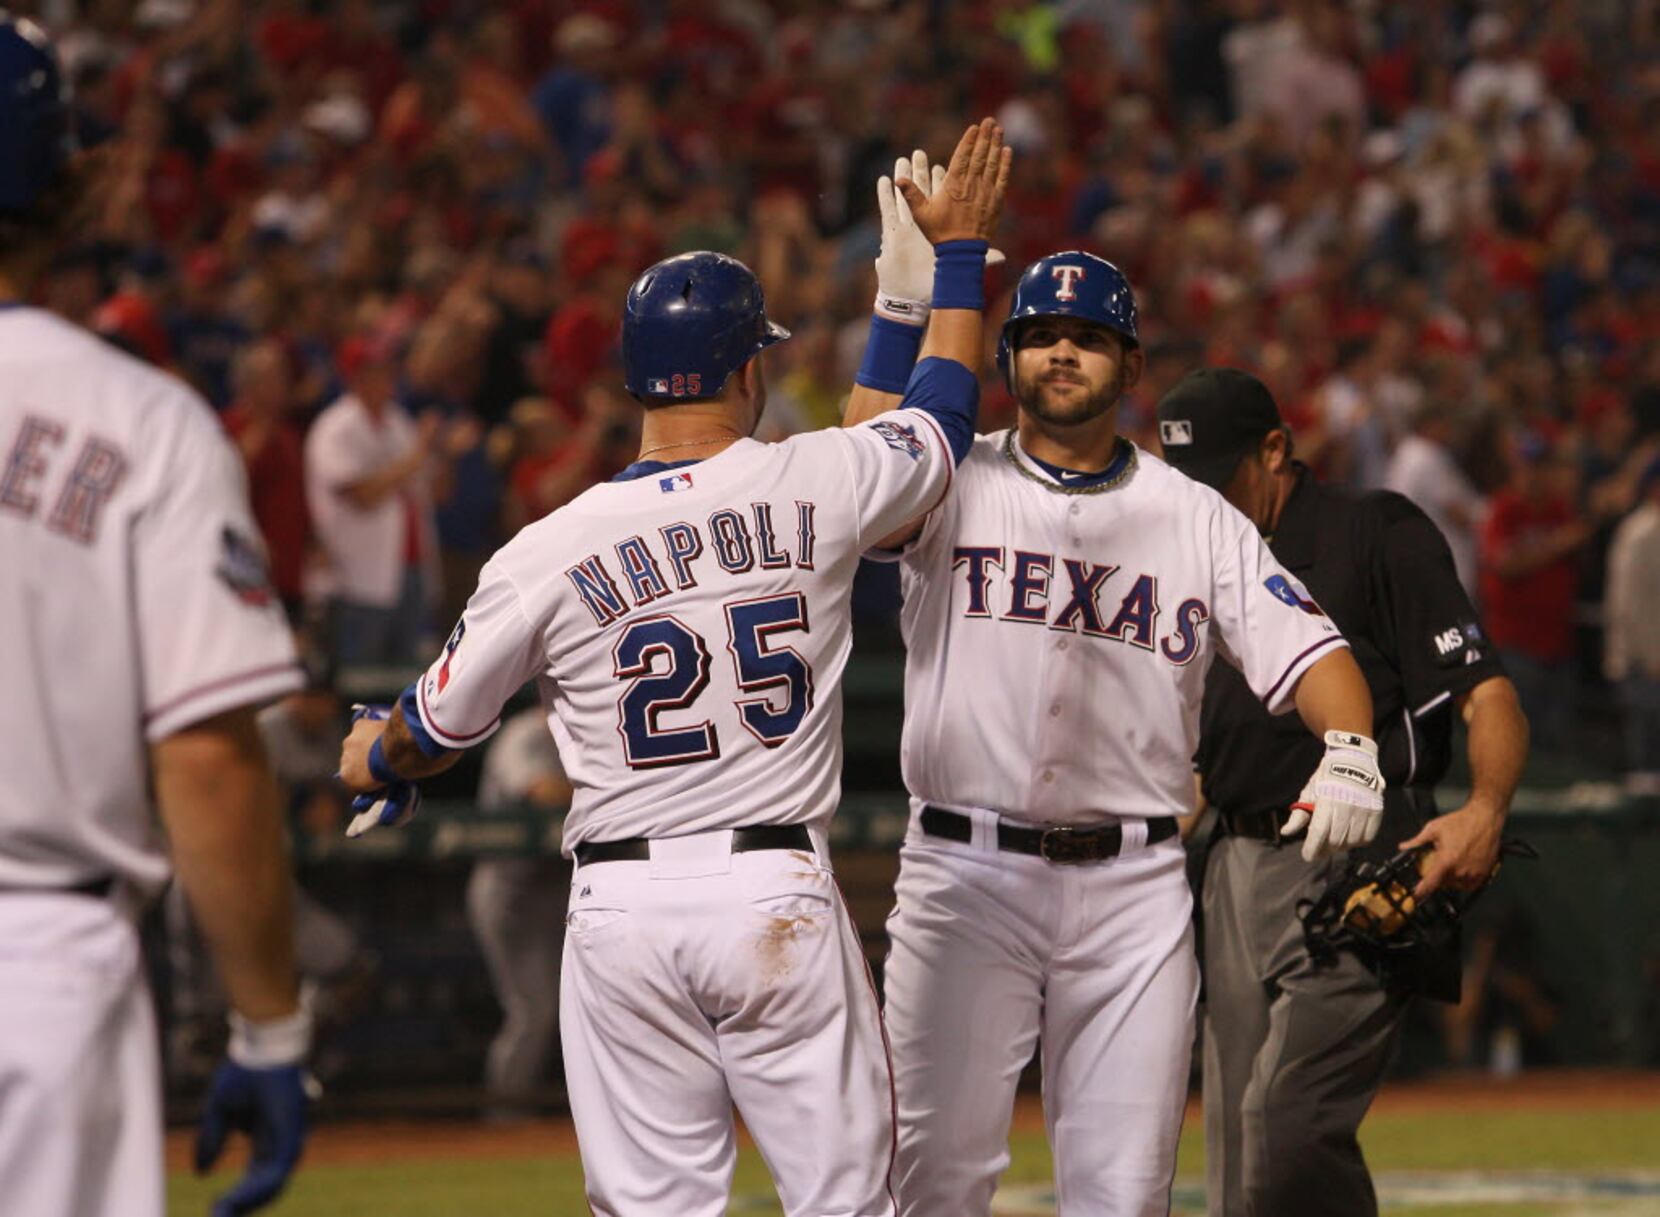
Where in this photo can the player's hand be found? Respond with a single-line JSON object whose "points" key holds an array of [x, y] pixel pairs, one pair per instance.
{"points": [[390, 807], [1464, 850], [269, 1105], [1342, 804], [969, 201], [368, 724], [260, 1090], [905, 267]]}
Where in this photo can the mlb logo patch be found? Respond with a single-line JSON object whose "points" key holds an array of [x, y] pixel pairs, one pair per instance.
{"points": [[900, 437], [657, 385], [1176, 431], [675, 483]]}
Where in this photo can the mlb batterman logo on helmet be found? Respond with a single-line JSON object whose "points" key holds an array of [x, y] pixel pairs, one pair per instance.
{"points": [[1072, 284], [691, 321]]}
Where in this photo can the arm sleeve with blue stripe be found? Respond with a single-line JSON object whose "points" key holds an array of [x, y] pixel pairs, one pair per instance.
{"points": [[948, 393]]}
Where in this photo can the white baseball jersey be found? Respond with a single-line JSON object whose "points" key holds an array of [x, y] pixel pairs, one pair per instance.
{"points": [[687, 629], [1058, 640], [133, 597], [133, 603]]}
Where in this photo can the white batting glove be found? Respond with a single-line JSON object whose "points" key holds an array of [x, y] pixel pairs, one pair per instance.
{"points": [[905, 267], [1342, 804]]}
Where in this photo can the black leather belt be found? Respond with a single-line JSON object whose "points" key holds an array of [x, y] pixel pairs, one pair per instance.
{"points": [[1264, 825], [744, 840], [98, 888], [1054, 844]]}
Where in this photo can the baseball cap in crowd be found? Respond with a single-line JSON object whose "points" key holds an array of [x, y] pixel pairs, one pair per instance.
{"points": [[1212, 419]]}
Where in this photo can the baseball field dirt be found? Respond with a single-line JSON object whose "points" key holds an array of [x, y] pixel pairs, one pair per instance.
{"points": [[1581, 1144]]}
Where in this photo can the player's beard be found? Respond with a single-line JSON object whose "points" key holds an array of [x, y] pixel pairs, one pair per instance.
{"points": [[1072, 410]]}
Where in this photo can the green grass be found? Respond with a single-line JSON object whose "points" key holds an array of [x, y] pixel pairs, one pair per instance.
{"points": [[551, 1186]]}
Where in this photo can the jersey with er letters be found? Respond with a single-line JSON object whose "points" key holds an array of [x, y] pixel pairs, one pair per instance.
{"points": [[1058, 641], [687, 628], [133, 595]]}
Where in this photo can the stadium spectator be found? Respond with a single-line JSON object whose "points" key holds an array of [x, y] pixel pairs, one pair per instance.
{"points": [[1424, 469], [261, 421], [366, 483], [1529, 580], [1631, 646]]}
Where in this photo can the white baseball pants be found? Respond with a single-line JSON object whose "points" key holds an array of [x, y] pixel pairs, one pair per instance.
{"points": [[994, 951], [80, 1081], [703, 979]]}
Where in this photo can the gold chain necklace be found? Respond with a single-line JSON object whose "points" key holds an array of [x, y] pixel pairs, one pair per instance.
{"points": [[690, 443], [1118, 479]]}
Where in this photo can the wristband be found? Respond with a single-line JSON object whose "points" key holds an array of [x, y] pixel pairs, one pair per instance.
{"points": [[272, 1043], [960, 274], [890, 354], [905, 312], [379, 767]]}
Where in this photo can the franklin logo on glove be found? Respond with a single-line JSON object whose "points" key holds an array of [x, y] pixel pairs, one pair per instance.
{"points": [[1342, 804]]}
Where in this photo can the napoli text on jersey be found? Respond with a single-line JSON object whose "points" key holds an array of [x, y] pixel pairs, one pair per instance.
{"points": [[687, 614]]}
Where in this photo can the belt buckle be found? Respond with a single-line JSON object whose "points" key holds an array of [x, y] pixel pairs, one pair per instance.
{"points": [[1068, 846]]}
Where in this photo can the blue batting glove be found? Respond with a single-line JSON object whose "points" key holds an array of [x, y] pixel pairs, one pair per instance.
{"points": [[389, 807], [270, 1106], [372, 710]]}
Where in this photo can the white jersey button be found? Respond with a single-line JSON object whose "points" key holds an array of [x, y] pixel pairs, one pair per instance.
{"points": [[1049, 775], [1055, 710]]}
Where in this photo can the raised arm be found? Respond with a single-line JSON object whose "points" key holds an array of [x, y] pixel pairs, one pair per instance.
{"points": [[904, 289], [945, 225]]}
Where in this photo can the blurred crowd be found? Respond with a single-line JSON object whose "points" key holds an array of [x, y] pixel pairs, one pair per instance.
{"points": [[390, 240]]}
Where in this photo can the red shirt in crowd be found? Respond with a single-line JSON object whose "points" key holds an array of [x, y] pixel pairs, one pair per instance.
{"points": [[276, 488], [1531, 613]]}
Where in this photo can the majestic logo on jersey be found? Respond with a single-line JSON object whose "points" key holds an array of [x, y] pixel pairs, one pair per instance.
{"points": [[1034, 596], [901, 437], [449, 653], [1458, 645], [675, 483], [1069, 276], [242, 568], [1175, 432], [1287, 591]]}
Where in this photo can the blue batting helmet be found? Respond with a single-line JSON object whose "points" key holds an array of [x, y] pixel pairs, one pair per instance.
{"points": [[1072, 284], [36, 135], [690, 322]]}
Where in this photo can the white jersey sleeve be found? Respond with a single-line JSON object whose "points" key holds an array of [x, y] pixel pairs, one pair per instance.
{"points": [[1271, 629], [494, 649], [900, 464], [211, 634]]}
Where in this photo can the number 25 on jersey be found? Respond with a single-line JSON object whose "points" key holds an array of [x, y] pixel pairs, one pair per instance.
{"points": [[762, 669]]}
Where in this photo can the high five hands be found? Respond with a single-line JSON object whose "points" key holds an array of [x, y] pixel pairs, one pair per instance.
{"points": [[968, 203]]}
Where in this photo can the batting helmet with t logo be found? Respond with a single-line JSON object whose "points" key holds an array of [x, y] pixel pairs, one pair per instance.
{"points": [[1072, 284], [36, 135], [690, 322]]}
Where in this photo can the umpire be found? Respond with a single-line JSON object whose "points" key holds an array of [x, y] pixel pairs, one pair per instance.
{"points": [[1293, 1054]]}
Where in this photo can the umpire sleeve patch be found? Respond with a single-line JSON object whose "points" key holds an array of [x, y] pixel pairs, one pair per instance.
{"points": [[1458, 645]]}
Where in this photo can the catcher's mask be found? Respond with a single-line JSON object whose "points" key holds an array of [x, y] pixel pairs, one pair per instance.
{"points": [[1370, 910]]}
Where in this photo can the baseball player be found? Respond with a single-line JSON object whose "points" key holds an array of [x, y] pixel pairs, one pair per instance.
{"points": [[516, 907], [1295, 1051], [140, 631], [1060, 610], [687, 625]]}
